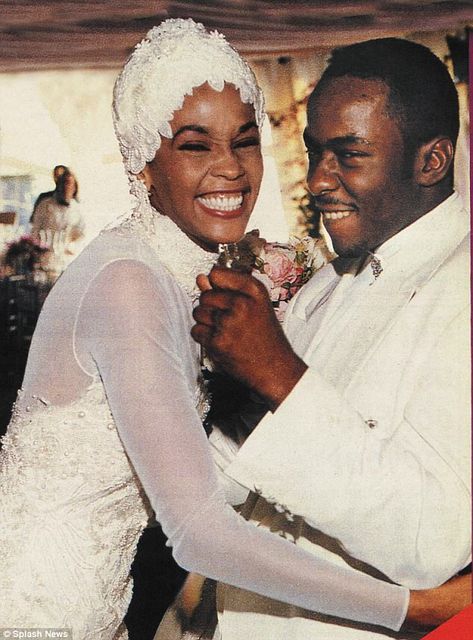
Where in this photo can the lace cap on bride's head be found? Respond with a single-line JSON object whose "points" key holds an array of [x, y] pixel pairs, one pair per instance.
{"points": [[167, 65]]}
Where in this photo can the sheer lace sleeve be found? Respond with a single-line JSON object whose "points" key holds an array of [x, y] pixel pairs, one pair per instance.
{"points": [[131, 326]]}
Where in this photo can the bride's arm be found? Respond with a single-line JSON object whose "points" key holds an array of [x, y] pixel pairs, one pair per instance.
{"points": [[223, 450], [132, 332]]}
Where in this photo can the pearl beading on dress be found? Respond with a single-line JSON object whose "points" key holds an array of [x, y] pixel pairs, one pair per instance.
{"points": [[52, 474], [180, 255]]}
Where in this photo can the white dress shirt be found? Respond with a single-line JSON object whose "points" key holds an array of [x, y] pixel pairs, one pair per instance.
{"points": [[372, 446]]}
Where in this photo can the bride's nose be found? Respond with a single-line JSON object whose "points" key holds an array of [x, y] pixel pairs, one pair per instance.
{"points": [[227, 164]]}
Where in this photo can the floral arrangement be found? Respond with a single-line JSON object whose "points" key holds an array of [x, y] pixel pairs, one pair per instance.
{"points": [[283, 268], [24, 255]]}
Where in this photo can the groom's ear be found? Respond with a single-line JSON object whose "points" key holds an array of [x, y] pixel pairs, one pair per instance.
{"points": [[433, 161]]}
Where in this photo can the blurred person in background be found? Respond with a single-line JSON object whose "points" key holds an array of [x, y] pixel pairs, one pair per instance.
{"points": [[58, 170], [57, 220]]}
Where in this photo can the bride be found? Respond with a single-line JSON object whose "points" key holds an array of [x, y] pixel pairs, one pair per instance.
{"points": [[108, 425]]}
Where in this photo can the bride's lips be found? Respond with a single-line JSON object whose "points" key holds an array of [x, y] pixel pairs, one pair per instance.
{"points": [[223, 204]]}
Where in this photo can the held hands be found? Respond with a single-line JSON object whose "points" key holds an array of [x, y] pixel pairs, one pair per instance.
{"points": [[237, 326]]}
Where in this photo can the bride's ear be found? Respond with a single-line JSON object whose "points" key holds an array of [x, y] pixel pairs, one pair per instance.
{"points": [[145, 177]]}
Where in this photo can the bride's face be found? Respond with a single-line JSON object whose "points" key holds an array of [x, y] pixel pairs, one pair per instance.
{"points": [[207, 176]]}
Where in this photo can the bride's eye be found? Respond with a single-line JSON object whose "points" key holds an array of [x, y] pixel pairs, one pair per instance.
{"points": [[252, 141], [193, 146]]}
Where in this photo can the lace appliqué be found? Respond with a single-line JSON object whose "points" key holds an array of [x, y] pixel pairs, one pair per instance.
{"points": [[202, 398], [173, 59], [178, 253], [69, 495]]}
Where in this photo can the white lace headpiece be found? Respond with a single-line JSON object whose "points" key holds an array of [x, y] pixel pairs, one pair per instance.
{"points": [[173, 59]]}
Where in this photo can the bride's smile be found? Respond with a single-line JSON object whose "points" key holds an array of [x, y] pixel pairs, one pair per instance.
{"points": [[222, 204]]}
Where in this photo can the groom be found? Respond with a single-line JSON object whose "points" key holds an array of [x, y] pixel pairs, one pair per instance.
{"points": [[366, 442]]}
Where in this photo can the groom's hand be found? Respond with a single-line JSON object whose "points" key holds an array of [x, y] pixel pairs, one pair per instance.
{"points": [[238, 328]]}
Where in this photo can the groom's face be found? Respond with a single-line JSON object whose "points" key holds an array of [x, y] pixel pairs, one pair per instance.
{"points": [[207, 176], [357, 167]]}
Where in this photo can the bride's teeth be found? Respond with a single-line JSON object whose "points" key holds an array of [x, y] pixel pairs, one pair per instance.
{"points": [[222, 203], [336, 215]]}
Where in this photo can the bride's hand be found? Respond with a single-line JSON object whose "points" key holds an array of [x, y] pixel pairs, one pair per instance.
{"points": [[238, 328], [432, 607]]}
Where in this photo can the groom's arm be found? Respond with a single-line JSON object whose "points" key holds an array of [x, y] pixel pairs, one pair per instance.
{"points": [[398, 497]]}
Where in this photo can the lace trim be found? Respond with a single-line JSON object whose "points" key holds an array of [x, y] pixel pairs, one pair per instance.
{"points": [[65, 493], [179, 254], [173, 59]]}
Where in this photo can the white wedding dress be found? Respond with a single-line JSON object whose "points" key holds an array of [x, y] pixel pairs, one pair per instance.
{"points": [[108, 426]]}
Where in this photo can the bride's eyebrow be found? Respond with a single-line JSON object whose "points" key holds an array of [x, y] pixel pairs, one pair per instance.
{"points": [[191, 127], [199, 129], [249, 125]]}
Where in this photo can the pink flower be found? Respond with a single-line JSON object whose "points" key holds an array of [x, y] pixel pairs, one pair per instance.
{"points": [[285, 268], [280, 267]]}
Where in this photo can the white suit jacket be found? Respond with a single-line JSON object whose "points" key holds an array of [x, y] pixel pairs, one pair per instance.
{"points": [[367, 461]]}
